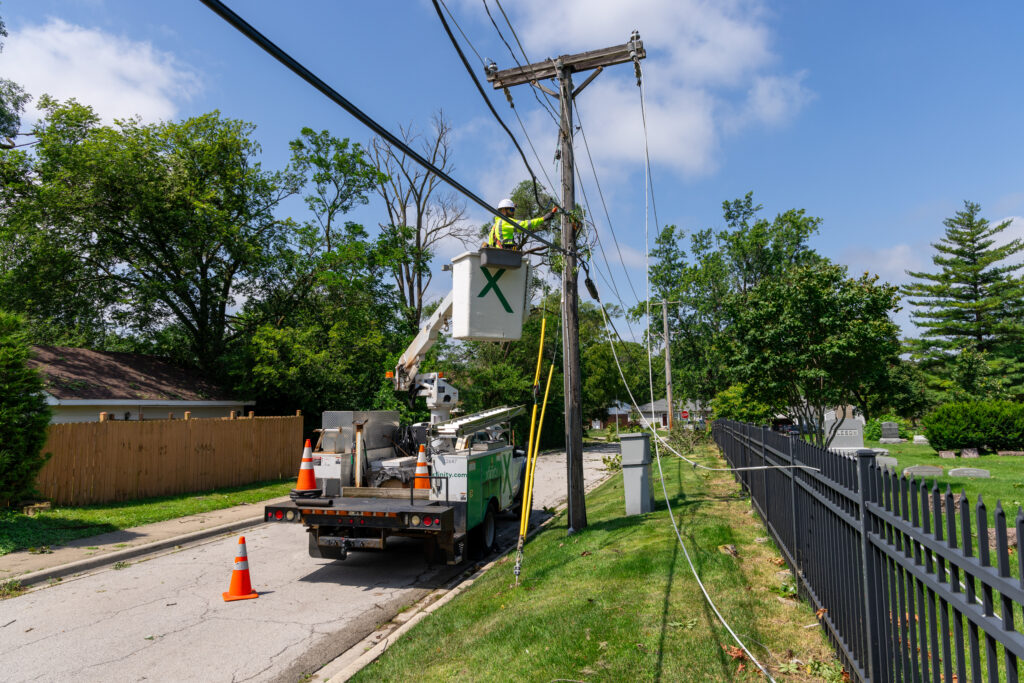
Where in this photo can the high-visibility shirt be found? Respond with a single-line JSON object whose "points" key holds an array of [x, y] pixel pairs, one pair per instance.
{"points": [[502, 231]]}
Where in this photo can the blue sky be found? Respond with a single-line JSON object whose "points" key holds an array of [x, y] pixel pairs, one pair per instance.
{"points": [[881, 118]]}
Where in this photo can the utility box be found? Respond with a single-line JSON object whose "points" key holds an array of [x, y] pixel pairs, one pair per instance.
{"points": [[636, 473], [488, 302]]}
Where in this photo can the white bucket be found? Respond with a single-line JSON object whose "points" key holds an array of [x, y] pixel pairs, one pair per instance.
{"points": [[488, 304]]}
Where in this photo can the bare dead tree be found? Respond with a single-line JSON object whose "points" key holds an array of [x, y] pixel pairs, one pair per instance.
{"points": [[421, 213]]}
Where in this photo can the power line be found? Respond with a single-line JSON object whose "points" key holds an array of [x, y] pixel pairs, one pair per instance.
{"points": [[543, 103], [305, 74], [604, 204], [494, 112]]}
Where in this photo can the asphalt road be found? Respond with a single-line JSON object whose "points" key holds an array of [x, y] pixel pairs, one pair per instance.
{"points": [[163, 619]]}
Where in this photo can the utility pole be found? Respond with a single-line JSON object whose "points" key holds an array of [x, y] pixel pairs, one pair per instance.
{"points": [[668, 364], [562, 69]]}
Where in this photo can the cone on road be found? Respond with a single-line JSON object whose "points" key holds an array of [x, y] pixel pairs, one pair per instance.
{"points": [[241, 588], [307, 482], [422, 478]]}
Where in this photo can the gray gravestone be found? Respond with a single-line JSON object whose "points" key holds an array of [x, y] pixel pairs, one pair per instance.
{"points": [[923, 471], [849, 435], [969, 453], [886, 461], [1005, 453], [947, 454], [890, 430], [972, 472], [921, 438]]}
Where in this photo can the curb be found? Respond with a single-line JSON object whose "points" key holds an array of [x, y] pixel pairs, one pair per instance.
{"points": [[379, 641], [79, 566]]}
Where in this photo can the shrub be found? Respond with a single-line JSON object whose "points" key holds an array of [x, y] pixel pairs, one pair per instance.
{"points": [[873, 428], [24, 414], [996, 425], [734, 404]]}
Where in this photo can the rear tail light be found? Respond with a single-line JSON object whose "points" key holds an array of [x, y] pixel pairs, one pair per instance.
{"points": [[270, 514], [427, 521], [279, 515], [437, 521]]}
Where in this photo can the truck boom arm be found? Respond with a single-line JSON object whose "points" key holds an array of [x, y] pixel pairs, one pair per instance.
{"points": [[408, 365]]}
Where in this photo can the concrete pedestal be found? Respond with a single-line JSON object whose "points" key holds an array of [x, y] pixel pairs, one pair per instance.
{"points": [[636, 473]]}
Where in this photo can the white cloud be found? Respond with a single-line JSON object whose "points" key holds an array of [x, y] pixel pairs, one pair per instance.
{"points": [[117, 76], [710, 71], [889, 263]]}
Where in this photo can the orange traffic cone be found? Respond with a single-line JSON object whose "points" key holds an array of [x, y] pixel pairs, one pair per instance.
{"points": [[307, 482], [240, 588], [422, 478]]}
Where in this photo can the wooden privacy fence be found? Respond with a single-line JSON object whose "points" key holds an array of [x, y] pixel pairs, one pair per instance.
{"points": [[102, 462]]}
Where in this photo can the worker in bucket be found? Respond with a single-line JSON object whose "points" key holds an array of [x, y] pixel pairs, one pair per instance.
{"points": [[502, 232]]}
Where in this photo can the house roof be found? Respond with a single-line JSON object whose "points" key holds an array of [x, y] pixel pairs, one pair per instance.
{"points": [[76, 374], [660, 406]]}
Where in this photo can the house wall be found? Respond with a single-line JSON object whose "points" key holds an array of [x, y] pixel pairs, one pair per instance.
{"points": [[91, 413]]}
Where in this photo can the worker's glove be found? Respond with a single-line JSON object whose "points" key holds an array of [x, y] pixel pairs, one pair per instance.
{"points": [[551, 214]]}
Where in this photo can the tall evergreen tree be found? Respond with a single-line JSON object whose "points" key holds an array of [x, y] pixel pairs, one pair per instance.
{"points": [[973, 301]]}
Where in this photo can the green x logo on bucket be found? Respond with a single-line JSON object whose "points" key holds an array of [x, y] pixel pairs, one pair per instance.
{"points": [[492, 283]]}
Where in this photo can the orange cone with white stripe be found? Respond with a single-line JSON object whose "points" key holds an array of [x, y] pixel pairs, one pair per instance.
{"points": [[422, 478], [307, 482], [241, 588]]}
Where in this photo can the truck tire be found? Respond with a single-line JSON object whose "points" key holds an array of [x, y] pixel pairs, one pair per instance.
{"points": [[482, 536]]}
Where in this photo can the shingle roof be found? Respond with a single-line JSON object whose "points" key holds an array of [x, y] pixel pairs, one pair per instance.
{"points": [[72, 373]]}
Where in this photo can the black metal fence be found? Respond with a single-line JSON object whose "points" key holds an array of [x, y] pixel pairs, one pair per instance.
{"points": [[892, 560]]}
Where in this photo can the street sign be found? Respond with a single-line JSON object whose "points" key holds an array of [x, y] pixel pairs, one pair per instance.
{"points": [[684, 415]]}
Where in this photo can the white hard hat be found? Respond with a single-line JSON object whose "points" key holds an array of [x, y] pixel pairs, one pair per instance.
{"points": [[507, 203]]}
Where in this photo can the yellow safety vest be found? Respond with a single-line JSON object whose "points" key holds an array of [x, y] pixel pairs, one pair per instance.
{"points": [[502, 231]]}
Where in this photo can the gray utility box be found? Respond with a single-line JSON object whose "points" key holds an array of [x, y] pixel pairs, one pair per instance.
{"points": [[636, 473]]}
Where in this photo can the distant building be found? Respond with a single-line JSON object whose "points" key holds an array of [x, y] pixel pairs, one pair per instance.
{"points": [[80, 384]]}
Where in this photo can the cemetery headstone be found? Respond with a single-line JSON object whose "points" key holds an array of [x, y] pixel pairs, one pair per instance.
{"points": [[923, 471], [921, 438], [890, 433], [972, 472], [1005, 453], [848, 436], [885, 461], [947, 454], [969, 453]]}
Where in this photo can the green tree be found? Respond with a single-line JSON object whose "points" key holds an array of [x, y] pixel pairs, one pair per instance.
{"points": [[810, 340], [24, 414], [704, 285], [176, 219], [972, 302], [13, 99], [733, 403]]}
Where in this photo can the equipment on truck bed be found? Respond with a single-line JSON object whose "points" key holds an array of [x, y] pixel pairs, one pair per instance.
{"points": [[364, 462]]}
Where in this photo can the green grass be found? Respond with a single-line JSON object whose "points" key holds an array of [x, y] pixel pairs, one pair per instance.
{"points": [[1006, 484], [63, 524], [617, 601]]}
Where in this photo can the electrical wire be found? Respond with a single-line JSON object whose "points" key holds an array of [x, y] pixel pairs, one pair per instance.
{"points": [[543, 103], [487, 100], [246, 29], [469, 42], [604, 204]]}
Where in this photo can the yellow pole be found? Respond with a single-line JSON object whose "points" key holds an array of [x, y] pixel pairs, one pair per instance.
{"points": [[536, 445], [533, 420]]}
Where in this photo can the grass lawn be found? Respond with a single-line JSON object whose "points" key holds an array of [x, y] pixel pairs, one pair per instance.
{"points": [[617, 601], [1006, 484], [59, 525]]}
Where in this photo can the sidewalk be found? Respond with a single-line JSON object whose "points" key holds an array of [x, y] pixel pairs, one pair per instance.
{"points": [[93, 551]]}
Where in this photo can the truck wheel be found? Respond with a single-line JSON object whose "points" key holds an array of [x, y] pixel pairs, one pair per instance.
{"points": [[482, 536]]}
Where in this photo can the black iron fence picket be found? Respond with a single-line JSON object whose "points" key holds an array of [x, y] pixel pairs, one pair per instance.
{"points": [[888, 562]]}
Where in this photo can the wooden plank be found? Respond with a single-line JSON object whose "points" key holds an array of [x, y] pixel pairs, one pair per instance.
{"points": [[582, 61]]}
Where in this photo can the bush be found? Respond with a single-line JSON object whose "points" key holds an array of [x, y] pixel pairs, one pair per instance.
{"points": [[24, 414], [734, 404], [995, 425], [873, 428]]}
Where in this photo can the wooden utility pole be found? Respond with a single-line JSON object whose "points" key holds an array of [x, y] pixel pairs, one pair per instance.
{"points": [[668, 364], [562, 69]]}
